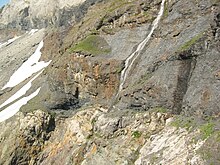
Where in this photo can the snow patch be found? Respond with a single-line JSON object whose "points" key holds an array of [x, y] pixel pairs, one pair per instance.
{"points": [[20, 92], [13, 39], [33, 31], [14, 108], [9, 41], [28, 68]]}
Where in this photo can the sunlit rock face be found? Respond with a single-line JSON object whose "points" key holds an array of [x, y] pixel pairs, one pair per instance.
{"points": [[73, 111], [20, 81], [27, 14]]}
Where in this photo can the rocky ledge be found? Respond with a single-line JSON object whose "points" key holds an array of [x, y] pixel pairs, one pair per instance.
{"points": [[95, 136], [167, 111]]}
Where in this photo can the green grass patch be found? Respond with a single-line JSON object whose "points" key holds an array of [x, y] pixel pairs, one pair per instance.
{"points": [[166, 10], [191, 42], [218, 136], [207, 130], [160, 110], [119, 70], [209, 150], [117, 4], [136, 134], [184, 122], [94, 121], [92, 44]]}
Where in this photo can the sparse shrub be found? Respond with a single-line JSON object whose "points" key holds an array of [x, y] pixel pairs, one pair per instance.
{"points": [[136, 134]]}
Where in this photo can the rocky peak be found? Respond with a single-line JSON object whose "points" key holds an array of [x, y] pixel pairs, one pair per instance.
{"points": [[27, 14]]}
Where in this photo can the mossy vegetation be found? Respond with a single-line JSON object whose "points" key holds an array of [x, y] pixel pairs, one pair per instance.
{"points": [[134, 156], [136, 134], [108, 30], [190, 43], [107, 18], [94, 121], [93, 44], [207, 130], [184, 122], [160, 110], [94, 32], [119, 70], [212, 144], [218, 136], [116, 4], [144, 78], [166, 10]]}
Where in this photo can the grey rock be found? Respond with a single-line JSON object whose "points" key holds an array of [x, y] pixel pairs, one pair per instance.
{"points": [[40, 14]]}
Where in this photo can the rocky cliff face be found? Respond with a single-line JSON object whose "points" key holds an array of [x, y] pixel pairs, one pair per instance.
{"points": [[167, 111], [30, 14]]}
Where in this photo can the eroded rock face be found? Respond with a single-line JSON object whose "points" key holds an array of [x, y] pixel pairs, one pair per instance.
{"points": [[30, 14], [81, 80], [171, 146], [172, 71], [27, 138], [95, 136], [177, 72], [201, 96]]}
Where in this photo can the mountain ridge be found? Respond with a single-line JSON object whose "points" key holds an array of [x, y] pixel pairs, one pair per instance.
{"points": [[167, 111], [30, 14]]}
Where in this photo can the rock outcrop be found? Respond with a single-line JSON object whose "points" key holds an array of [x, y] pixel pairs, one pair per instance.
{"points": [[172, 72], [166, 113], [95, 136], [34, 14], [27, 138]]}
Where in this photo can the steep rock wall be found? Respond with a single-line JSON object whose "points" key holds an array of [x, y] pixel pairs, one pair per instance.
{"points": [[177, 73], [31, 14]]}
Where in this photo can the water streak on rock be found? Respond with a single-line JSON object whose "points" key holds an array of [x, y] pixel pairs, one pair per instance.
{"points": [[131, 59]]}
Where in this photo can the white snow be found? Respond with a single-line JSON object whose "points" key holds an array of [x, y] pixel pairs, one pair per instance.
{"points": [[28, 68], [14, 108], [9, 41], [20, 92], [13, 39], [33, 31]]}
